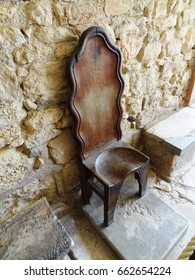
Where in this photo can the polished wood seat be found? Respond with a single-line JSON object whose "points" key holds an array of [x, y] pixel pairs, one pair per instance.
{"points": [[96, 87]]}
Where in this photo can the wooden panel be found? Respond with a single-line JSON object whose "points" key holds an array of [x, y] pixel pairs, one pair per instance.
{"points": [[97, 90]]}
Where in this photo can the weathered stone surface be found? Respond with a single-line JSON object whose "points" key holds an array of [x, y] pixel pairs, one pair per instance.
{"points": [[62, 148], [11, 113], [54, 34], [12, 13], [9, 87], [46, 82], [37, 137], [71, 175], [39, 12], [10, 38], [116, 7], [13, 167], [77, 13], [39, 119], [36, 234], [29, 105], [11, 136]]}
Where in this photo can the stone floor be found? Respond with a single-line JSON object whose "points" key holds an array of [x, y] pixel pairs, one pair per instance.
{"points": [[90, 245]]}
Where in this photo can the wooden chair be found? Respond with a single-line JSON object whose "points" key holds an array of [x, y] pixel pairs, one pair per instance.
{"points": [[96, 88]]}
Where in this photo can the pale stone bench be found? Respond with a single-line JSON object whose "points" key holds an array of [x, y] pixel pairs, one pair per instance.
{"points": [[170, 144]]}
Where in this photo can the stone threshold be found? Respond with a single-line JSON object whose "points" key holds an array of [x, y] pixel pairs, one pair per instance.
{"points": [[144, 228], [177, 132]]}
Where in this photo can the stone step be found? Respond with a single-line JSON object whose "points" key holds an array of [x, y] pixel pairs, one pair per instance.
{"points": [[170, 144], [36, 234], [144, 228]]}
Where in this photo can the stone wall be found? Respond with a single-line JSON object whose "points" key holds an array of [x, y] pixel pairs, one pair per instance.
{"points": [[37, 152]]}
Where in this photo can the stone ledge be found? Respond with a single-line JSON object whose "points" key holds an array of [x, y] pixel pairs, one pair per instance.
{"points": [[177, 132]]}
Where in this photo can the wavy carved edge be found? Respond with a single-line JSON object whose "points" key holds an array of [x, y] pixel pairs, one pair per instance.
{"points": [[86, 35]]}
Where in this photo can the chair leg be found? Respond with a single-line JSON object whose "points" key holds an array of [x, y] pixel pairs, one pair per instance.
{"points": [[141, 175], [110, 200], [86, 190]]}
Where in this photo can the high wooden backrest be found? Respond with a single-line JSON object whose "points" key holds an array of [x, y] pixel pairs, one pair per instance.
{"points": [[96, 89]]}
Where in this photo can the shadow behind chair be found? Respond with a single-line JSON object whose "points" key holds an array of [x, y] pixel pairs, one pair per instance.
{"points": [[96, 89]]}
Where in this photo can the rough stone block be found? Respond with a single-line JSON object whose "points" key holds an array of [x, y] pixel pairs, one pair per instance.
{"points": [[36, 234]]}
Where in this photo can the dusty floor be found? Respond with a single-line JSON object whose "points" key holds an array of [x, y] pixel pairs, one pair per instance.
{"points": [[89, 245]]}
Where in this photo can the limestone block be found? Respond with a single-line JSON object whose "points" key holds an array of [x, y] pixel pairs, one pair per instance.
{"points": [[11, 136], [55, 34], [9, 87], [46, 82], [116, 7], [174, 47], [150, 52], [13, 167], [71, 175], [38, 137], [160, 8], [29, 105], [12, 13], [39, 119], [60, 12], [25, 54], [189, 15], [39, 12], [62, 148], [77, 13], [11, 113], [22, 71], [11, 37]]}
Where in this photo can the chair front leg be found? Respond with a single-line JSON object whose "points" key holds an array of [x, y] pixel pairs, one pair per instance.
{"points": [[110, 200], [141, 175], [86, 190]]}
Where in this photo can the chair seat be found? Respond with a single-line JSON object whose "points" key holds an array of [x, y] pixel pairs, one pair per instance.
{"points": [[115, 163]]}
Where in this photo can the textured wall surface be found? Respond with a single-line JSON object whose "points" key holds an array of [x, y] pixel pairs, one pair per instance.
{"points": [[37, 152]]}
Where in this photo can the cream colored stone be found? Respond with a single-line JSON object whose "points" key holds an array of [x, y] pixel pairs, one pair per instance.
{"points": [[39, 12], [160, 8], [46, 82], [80, 12], [71, 175], [13, 167], [174, 47], [116, 7], [12, 13], [11, 136], [22, 72], [38, 137], [10, 38], [9, 87], [11, 112], [39, 119], [151, 52], [29, 105], [55, 34], [62, 148], [60, 12], [25, 54]]}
